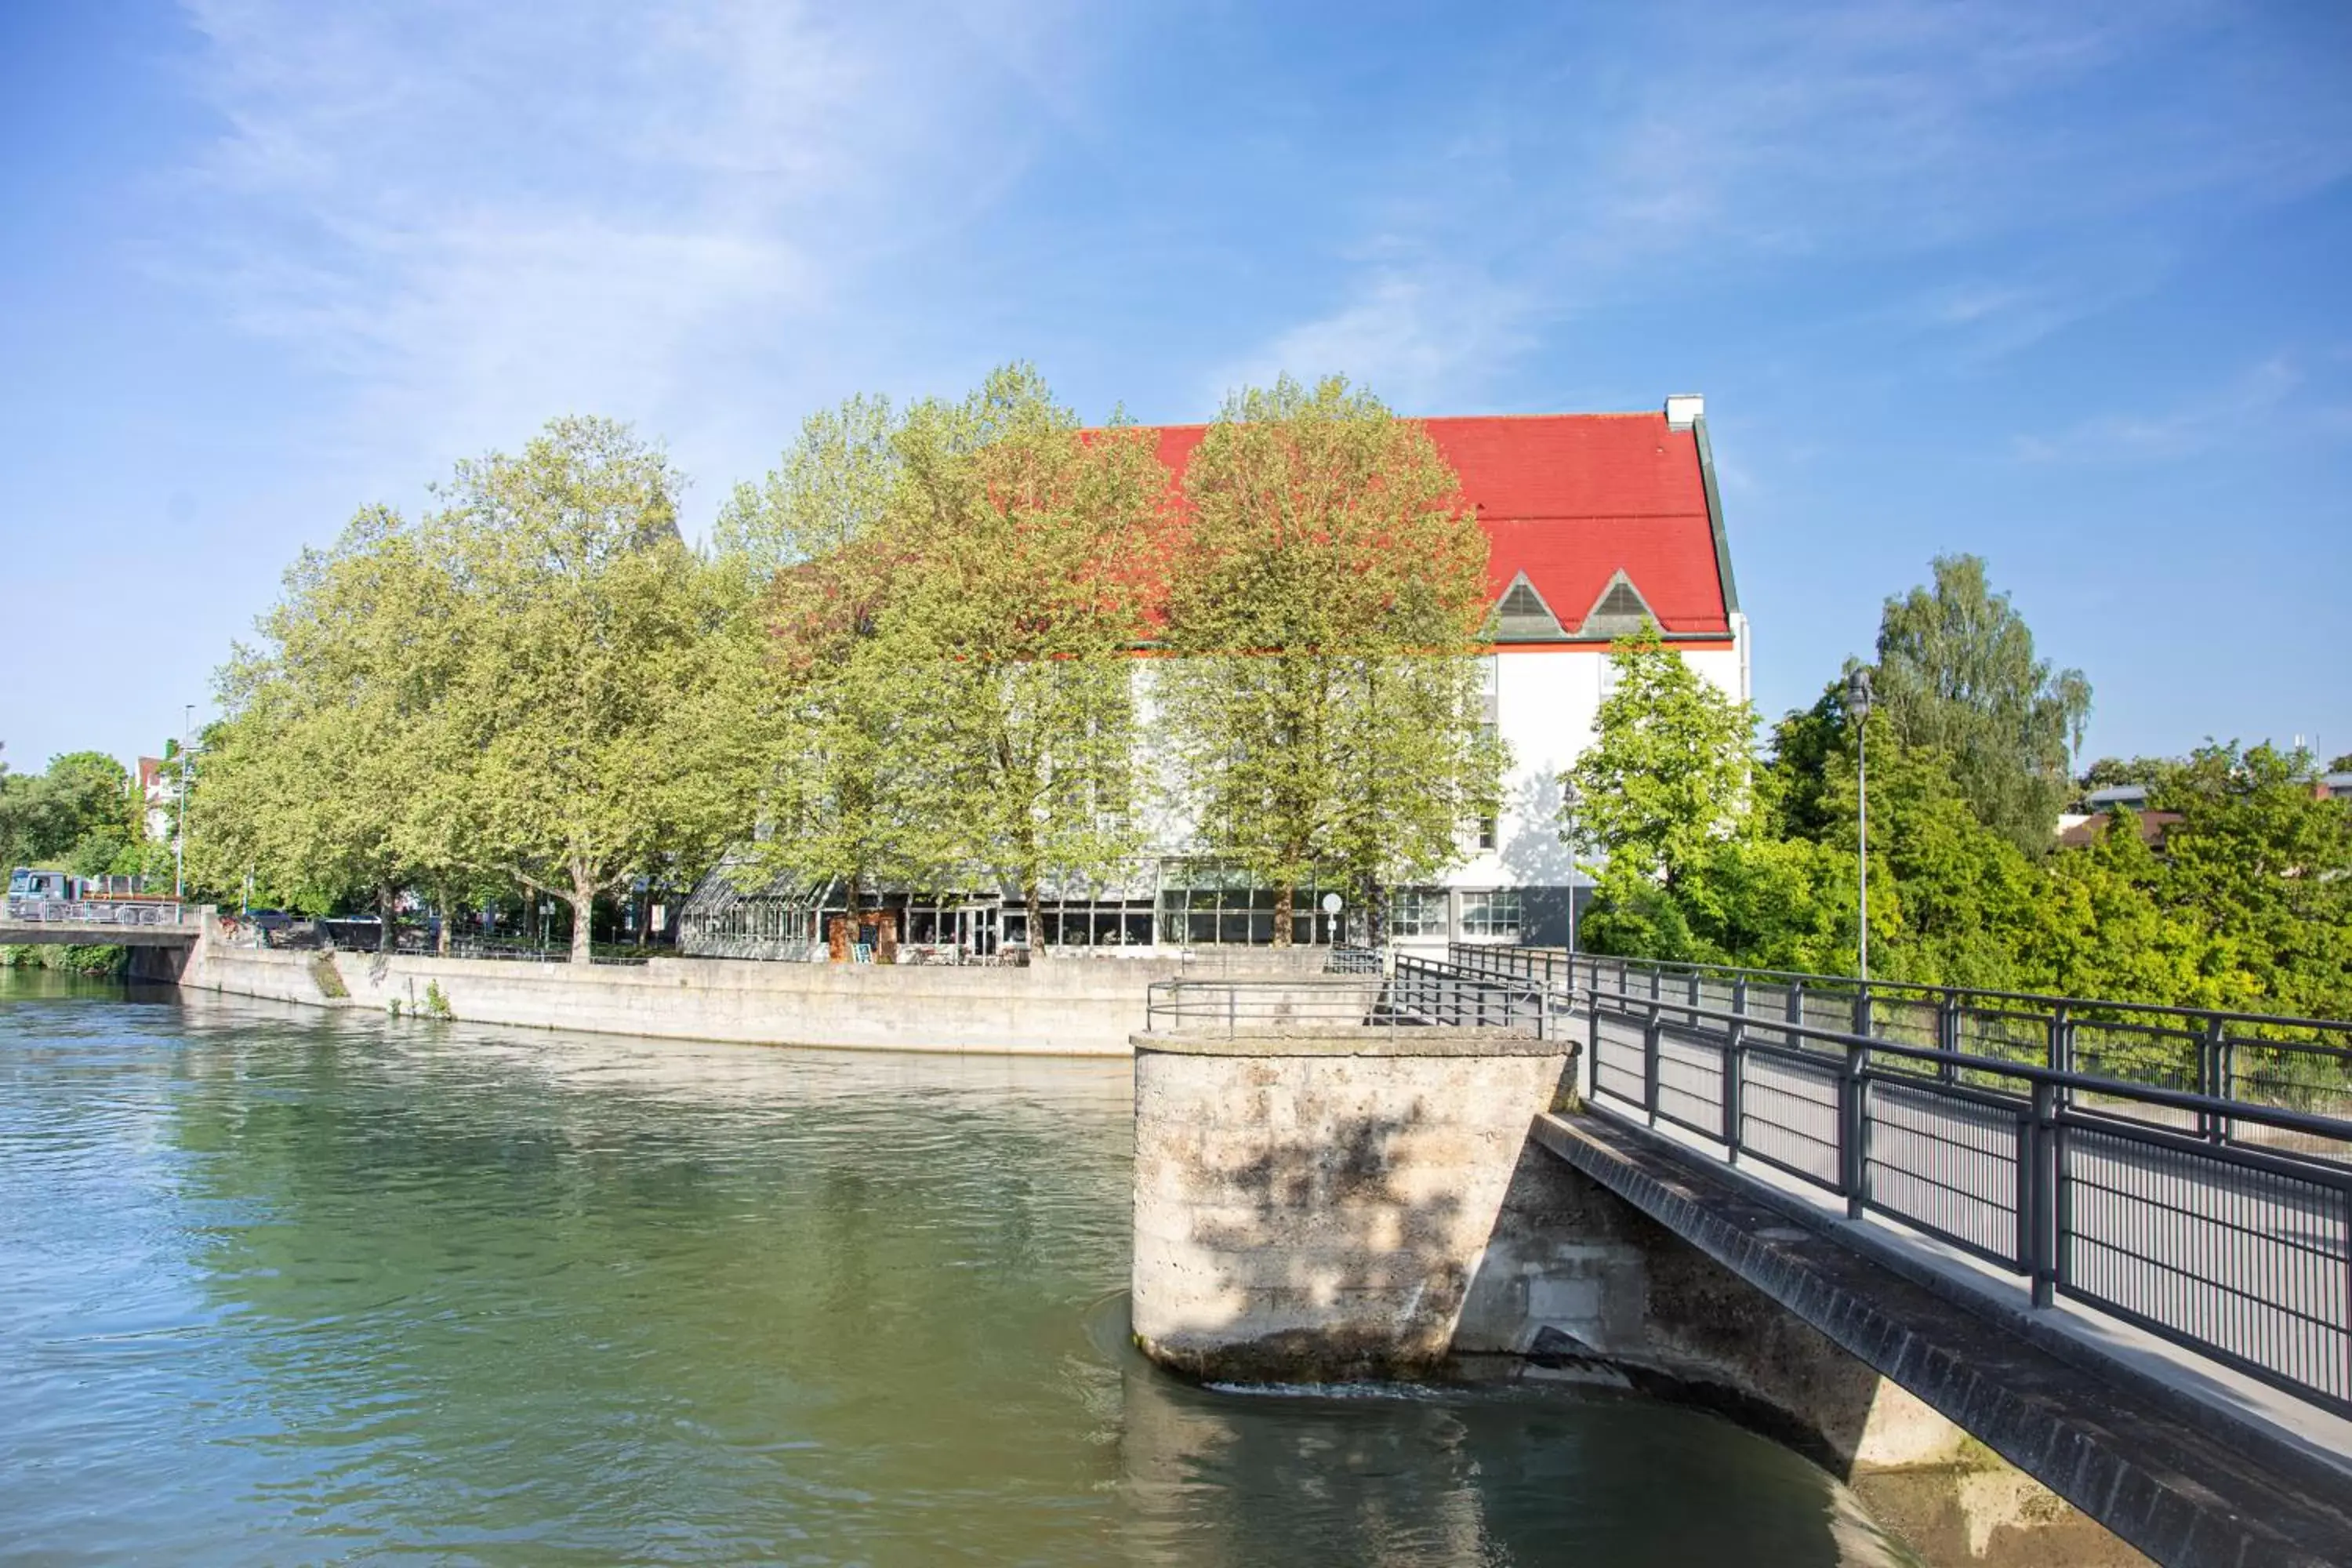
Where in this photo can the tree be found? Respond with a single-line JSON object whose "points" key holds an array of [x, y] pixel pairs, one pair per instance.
{"points": [[2116, 933], [579, 709], [319, 782], [1023, 597], [2264, 867], [1958, 675], [829, 720], [2152, 771], [1325, 608], [827, 494], [78, 813], [1666, 777]]}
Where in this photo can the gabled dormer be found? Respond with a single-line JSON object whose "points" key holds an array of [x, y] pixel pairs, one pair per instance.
{"points": [[1619, 612], [1521, 615]]}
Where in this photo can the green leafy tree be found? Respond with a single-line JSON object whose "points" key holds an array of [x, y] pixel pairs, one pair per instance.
{"points": [[318, 783], [77, 814], [2115, 932], [1958, 675], [827, 495], [1325, 608], [1024, 596], [1667, 777], [572, 730], [2153, 772], [2263, 866], [831, 724]]}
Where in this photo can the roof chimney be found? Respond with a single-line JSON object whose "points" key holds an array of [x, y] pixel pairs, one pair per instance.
{"points": [[1685, 409]]}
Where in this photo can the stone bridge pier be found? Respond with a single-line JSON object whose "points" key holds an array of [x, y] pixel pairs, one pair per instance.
{"points": [[1396, 1203]]}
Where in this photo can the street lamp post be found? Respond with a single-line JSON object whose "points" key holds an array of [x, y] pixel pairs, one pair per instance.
{"points": [[1859, 699], [180, 839], [1569, 800]]}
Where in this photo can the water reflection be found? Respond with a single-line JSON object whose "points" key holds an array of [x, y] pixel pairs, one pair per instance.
{"points": [[284, 1286], [1462, 1478]]}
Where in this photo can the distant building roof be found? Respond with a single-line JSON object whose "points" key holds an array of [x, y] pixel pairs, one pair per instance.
{"points": [[2153, 826], [1593, 521]]}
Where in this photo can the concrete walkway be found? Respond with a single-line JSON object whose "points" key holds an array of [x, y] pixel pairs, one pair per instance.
{"points": [[2188, 1464]]}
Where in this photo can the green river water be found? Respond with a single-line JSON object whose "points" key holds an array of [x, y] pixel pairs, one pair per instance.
{"points": [[279, 1287]]}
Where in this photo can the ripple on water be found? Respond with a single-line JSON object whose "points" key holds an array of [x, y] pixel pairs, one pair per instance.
{"points": [[283, 1286]]}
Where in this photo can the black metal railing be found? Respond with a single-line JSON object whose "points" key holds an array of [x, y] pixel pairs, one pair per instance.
{"points": [[2298, 1064], [2104, 1190], [1413, 994]]}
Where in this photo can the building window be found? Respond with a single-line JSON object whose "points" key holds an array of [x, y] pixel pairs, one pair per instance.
{"points": [[1487, 832], [1204, 902], [1491, 915], [1098, 923], [1418, 912]]}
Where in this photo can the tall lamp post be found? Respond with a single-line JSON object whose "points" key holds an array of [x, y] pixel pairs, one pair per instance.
{"points": [[1859, 699], [1569, 799], [180, 839]]}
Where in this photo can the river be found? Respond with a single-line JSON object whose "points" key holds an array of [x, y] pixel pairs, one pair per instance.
{"points": [[283, 1286]]}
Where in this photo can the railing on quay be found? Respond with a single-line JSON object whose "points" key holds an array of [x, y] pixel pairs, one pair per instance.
{"points": [[2254, 1058], [1411, 993], [99, 911], [2092, 1188], [623, 954]]}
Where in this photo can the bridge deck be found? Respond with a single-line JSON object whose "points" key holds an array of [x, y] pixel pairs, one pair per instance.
{"points": [[118, 922], [35, 932], [2186, 1481]]}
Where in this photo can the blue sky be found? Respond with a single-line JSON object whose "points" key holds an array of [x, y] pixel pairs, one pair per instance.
{"points": [[2060, 284]]}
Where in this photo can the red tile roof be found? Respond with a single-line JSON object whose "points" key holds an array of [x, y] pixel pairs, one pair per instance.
{"points": [[1573, 499]]}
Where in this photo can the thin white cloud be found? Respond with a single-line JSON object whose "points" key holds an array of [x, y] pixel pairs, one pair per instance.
{"points": [[482, 216], [2260, 400], [1724, 141], [1424, 337]]}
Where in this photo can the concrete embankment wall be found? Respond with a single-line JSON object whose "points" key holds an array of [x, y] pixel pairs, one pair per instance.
{"points": [[1067, 1008]]}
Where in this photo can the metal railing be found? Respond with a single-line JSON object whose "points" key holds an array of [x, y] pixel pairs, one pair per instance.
{"points": [[97, 912], [2092, 1188], [2253, 1058], [1414, 994]]}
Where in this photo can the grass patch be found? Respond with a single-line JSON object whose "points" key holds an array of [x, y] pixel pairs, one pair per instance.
{"points": [[326, 976]]}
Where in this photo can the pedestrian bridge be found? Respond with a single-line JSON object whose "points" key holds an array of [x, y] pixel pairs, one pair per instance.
{"points": [[123, 922], [2112, 1243]]}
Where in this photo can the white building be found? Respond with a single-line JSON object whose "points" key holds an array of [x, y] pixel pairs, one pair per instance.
{"points": [[1594, 523], [159, 799]]}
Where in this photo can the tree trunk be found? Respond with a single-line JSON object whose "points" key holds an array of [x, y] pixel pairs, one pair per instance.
{"points": [[1036, 919], [583, 900], [387, 907], [1282, 897], [441, 944]]}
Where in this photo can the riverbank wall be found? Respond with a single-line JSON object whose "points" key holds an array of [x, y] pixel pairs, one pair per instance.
{"points": [[1069, 1007]]}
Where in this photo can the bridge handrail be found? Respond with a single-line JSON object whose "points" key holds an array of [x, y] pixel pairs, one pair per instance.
{"points": [[2239, 1056], [2283, 1117], [2041, 1001], [2077, 1182], [1414, 994]]}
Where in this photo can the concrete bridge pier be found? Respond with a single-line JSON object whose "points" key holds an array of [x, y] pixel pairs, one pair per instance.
{"points": [[1368, 1203], [1314, 1207]]}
